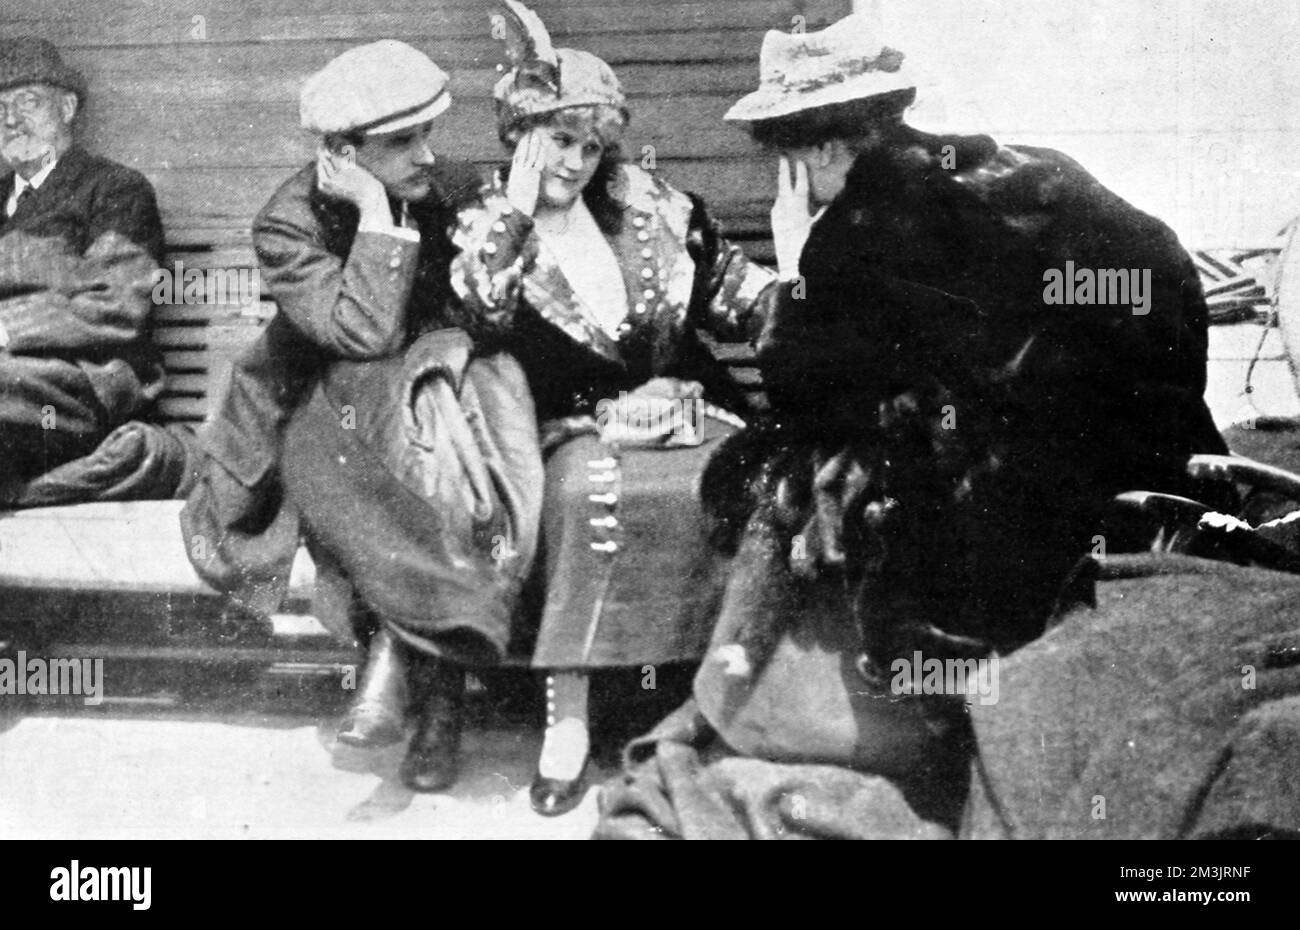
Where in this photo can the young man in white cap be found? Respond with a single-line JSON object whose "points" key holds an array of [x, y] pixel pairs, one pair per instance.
{"points": [[344, 420], [80, 238]]}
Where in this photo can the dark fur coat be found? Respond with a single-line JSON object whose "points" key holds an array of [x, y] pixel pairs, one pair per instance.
{"points": [[985, 429]]}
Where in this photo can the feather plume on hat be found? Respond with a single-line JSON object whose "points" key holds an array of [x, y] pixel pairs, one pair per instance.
{"points": [[529, 47], [543, 79]]}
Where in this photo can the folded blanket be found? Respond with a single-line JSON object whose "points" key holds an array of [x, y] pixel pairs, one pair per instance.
{"points": [[1167, 711], [137, 461], [682, 782]]}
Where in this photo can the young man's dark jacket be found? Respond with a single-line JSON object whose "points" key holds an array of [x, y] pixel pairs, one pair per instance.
{"points": [[385, 291], [930, 267]]}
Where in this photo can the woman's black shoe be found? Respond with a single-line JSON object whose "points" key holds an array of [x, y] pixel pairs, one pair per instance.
{"points": [[432, 760], [552, 797], [375, 717]]}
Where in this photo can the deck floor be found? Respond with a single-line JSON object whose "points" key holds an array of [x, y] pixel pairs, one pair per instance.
{"points": [[1272, 390], [108, 775]]}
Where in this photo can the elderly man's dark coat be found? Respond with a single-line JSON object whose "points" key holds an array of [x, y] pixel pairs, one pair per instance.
{"points": [[342, 296], [76, 266], [932, 265]]}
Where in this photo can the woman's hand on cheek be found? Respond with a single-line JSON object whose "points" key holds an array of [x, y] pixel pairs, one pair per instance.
{"points": [[792, 216], [525, 182]]}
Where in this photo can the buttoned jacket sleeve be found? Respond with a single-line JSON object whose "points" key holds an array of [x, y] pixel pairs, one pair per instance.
{"points": [[352, 308], [496, 248], [734, 296]]}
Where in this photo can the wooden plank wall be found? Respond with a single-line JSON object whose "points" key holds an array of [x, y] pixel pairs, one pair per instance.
{"points": [[203, 97]]}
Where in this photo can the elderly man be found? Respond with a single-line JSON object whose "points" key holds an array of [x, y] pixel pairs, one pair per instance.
{"points": [[364, 419], [79, 240]]}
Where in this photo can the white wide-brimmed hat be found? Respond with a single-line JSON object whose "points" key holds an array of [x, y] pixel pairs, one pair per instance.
{"points": [[800, 71], [376, 88]]}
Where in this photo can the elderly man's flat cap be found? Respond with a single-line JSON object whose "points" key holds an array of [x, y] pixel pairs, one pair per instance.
{"points": [[28, 60], [376, 88]]}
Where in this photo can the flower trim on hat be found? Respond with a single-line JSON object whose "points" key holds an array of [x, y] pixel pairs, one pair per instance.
{"points": [[889, 61], [537, 100], [583, 79]]}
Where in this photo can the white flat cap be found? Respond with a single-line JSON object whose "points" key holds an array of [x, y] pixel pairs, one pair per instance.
{"points": [[375, 88]]}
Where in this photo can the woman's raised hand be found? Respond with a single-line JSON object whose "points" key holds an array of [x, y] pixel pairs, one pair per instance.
{"points": [[526, 171], [792, 217]]}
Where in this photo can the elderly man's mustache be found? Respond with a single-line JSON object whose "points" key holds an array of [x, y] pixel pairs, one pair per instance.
{"points": [[24, 148]]}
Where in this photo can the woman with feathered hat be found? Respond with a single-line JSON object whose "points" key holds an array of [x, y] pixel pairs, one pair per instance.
{"points": [[606, 275]]}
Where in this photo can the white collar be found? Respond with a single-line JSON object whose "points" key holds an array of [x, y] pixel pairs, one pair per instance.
{"points": [[21, 183]]}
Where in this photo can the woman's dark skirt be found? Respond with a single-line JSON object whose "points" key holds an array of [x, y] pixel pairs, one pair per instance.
{"points": [[629, 576]]}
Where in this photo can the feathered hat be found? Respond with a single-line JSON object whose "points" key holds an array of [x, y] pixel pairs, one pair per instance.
{"points": [[542, 78]]}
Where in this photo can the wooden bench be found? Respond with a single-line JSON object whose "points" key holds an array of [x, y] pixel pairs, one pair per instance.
{"points": [[112, 580], [205, 104]]}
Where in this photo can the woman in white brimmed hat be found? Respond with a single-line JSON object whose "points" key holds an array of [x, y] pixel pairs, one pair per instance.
{"points": [[607, 274], [920, 263], [823, 99], [945, 441]]}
